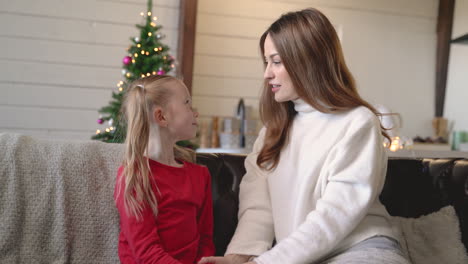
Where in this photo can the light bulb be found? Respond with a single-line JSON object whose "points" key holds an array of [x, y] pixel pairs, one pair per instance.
{"points": [[155, 18], [155, 49], [133, 61], [150, 34], [148, 74], [153, 24], [120, 89], [142, 14], [147, 53], [107, 130], [111, 128], [154, 73], [98, 132], [128, 75], [149, 13], [139, 45], [135, 55], [142, 52]]}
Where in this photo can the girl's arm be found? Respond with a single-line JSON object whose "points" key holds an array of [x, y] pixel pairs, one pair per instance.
{"points": [[205, 220], [355, 169], [142, 236], [254, 233]]}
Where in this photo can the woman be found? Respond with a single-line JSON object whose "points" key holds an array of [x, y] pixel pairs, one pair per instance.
{"points": [[318, 166]]}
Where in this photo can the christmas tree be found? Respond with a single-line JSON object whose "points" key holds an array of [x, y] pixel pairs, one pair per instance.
{"points": [[146, 56]]}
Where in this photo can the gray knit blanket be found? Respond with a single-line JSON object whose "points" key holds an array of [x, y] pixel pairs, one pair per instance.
{"points": [[56, 201]]}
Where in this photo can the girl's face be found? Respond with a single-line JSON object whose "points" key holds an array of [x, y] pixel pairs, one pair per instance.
{"points": [[180, 116], [275, 73]]}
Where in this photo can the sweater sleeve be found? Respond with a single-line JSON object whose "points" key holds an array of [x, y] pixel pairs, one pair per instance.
{"points": [[205, 221], [254, 233], [355, 169], [142, 236]]}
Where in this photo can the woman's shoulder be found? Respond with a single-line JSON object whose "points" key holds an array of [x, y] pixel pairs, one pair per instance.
{"points": [[362, 112], [361, 115]]}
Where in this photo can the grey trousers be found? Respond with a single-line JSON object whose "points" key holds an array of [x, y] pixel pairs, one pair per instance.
{"points": [[375, 250]]}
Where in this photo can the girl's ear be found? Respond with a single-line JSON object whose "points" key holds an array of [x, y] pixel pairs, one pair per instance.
{"points": [[159, 117]]}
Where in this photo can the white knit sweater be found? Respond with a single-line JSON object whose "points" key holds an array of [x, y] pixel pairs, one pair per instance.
{"points": [[323, 195]]}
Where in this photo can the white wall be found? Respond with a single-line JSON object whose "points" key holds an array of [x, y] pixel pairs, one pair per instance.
{"points": [[61, 59], [389, 46], [456, 100]]}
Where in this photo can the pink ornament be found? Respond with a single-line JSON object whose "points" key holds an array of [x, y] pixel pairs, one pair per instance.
{"points": [[100, 121], [161, 72], [127, 60]]}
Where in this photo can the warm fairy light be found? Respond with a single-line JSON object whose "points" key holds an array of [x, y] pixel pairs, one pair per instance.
{"points": [[111, 128], [153, 24], [139, 45], [396, 144], [155, 18], [135, 55], [121, 82], [107, 130], [172, 65], [154, 73], [142, 14], [160, 48], [120, 89], [133, 61], [142, 52], [142, 75], [148, 74], [98, 132], [156, 49], [147, 53], [164, 58], [128, 75], [149, 13], [150, 34]]}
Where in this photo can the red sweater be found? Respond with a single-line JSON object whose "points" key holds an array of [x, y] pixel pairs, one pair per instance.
{"points": [[182, 232]]}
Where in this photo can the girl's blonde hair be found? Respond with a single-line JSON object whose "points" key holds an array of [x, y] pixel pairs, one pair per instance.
{"points": [[311, 53], [142, 96]]}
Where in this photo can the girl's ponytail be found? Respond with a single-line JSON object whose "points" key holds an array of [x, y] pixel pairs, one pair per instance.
{"points": [[135, 177]]}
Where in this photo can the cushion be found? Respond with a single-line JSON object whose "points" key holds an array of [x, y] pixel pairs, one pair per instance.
{"points": [[433, 238]]}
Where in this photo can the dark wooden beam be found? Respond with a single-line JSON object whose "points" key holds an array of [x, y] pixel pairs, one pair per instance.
{"points": [[187, 23], [444, 34]]}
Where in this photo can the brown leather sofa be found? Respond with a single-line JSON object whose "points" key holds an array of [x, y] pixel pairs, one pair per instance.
{"points": [[413, 187]]}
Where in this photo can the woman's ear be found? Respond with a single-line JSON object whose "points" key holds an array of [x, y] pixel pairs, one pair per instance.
{"points": [[159, 117]]}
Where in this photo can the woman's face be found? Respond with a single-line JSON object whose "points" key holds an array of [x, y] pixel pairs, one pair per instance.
{"points": [[276, 74]]}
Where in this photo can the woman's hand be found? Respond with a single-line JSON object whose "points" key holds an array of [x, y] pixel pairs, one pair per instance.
{"points": [[228, 259]]}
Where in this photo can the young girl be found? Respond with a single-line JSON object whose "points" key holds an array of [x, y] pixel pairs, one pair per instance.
{"points": [[318, 166], [164, 199]]}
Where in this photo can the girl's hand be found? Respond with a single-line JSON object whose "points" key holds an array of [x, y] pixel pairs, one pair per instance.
{"points": [[228, 259]]}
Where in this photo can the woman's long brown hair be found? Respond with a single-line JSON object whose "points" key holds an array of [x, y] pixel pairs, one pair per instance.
{"points": [[138, 103], [312, 55]]}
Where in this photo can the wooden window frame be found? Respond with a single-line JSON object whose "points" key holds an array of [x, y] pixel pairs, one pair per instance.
{"points": [[186, 46]]}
